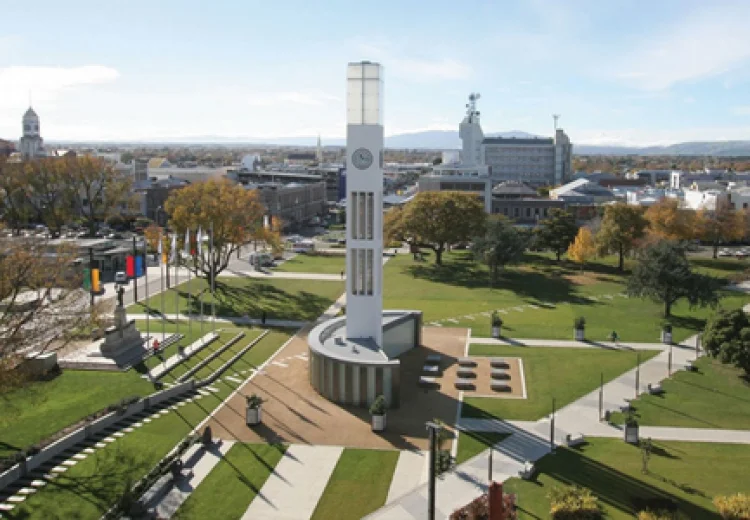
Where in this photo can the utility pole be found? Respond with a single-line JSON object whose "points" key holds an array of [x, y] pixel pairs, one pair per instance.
{"points": [[135, 272], [433, 428], [91, 275], [637, 373]]}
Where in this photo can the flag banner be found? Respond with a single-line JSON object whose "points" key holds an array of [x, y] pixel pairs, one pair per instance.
{"points": [[95, 286], [186, 249], [139, 266], [161, 249], [173, 249], [87, 279], [266, 222], [130, 266], [199, 241]]}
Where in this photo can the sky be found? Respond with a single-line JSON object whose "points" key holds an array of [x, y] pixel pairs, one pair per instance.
{"points": [[631, 72]]}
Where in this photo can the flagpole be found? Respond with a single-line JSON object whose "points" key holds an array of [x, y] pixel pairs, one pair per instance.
{"points": [[161, 279], [190, 286], [176, 283], [148, 303], [213, 279], [199, 249]]}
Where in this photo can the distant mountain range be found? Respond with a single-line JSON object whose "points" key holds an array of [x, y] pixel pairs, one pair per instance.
{"points": [[449, 140]]}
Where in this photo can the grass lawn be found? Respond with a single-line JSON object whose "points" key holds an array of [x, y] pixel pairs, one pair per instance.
{"points": [[560, 291], [37, 410], [685, 475], [473, 443], [91, 486], [716, 396], [234, 482], [358, 485], [313, 264], [281, 299], [563, 373]]}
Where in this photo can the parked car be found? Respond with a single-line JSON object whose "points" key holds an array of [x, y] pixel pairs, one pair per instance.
{"points": [[121, 278], [725, 252], [741, 253]]}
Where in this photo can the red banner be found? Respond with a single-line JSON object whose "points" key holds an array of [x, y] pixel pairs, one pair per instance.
{"points": [[130, 266]]}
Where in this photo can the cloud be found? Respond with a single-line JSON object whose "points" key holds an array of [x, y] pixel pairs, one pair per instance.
{"points": [[706, 43], [741, 110], [398, 63], [265, 99], [48, 83]]}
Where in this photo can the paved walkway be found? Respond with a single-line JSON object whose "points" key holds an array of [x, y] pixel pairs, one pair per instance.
{"points": [[224, 320], [411, 472], [178, 358], [293, 489], [199, 462], [284, 274], [520, 342]]}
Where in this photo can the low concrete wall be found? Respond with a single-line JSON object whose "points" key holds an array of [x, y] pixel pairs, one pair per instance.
{"points": [[232, 360], [216, 353], [88, 431]]}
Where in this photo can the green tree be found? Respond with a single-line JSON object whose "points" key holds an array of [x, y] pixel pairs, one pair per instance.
{"points": [[621, 228], [727, 337], [500, 245], [663, 274], [557, 231], [437, 219]]}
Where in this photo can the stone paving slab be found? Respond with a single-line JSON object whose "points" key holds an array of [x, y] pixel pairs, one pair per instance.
{"points": [[411, 472], [293, 489]]}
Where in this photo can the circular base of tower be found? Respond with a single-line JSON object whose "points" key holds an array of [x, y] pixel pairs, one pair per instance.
{"points": [[354, 371]]}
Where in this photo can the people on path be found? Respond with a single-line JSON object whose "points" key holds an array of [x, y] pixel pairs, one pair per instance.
{"points": [[614, 337], [342, 275]]}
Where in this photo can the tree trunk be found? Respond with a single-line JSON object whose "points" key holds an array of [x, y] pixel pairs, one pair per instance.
{"points": [[716, 250], [438, 255], [621, 264], [493, 278], [667, 309], [558, 253]]}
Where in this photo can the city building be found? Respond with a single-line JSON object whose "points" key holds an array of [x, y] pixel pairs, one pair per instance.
{"points": [[461, 178], [296, 204], [196, 174], [31, 144], [521, 203], [152, 194], [6, 148], [582, 191]]}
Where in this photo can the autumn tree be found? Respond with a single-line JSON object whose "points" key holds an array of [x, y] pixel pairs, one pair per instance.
{"points": [[621, 228], [669, 222], [48, 192], [42, 302], [583, 247], [231, 211], [500, 245], [723, 224], [663, 274], [557, 231], [437, 219], [16, 211], [96, 188]]}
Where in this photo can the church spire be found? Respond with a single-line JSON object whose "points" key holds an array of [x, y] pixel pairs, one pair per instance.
{"points": [[319, 151]]}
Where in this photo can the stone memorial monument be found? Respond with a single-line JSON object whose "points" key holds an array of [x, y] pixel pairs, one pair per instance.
{"points": [[122, 336]]}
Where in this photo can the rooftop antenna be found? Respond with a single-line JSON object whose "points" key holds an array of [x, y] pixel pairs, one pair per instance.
{"points": [[472, 105], [555, 117], [30, 103]]}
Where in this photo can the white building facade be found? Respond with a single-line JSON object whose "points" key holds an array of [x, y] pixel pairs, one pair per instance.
{"points": [[31, 144]]}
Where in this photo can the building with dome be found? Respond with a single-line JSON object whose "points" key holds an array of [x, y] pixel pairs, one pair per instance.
{"points": [[31, 144]]}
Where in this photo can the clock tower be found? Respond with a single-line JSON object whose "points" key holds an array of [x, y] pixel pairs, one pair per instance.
{"points": [[364, 208]]}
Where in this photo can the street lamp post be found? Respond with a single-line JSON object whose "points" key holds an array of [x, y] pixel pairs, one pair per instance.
{"points": [[434, 429]]}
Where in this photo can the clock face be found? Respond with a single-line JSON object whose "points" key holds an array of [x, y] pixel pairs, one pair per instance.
{"points": [[362, 158]]}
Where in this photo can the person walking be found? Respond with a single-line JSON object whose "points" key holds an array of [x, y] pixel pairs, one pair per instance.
{"points": [[342, 275], [614, 337], [263, 318]]}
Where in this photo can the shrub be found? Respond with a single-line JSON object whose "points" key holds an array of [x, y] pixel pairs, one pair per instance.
{"points": [[574, 503], [733, 507], [378, 406], [32, 450], [479, 509], [497, 321], [254, 401], [580, 323]]}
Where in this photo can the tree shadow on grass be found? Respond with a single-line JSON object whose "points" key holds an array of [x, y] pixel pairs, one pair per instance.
{"points": [[535, 284], [616, 489]]}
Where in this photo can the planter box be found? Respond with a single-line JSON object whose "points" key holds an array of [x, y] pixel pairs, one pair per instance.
{"points": [[579, 334], [496, 332], [378, 423], [631, 434], [253, 416], [666, 337]]}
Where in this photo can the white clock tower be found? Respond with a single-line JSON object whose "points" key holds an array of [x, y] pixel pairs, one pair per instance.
{"points": [[364, 195]]}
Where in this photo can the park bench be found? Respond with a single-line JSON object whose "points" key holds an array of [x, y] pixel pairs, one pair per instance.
{"points": [[655, 389], [431, 369], [434, 359], [466, 362], [690, 367], [464, 384], [428, 381], [499, 373], [499, 363], [499, 386], [466, 373]]}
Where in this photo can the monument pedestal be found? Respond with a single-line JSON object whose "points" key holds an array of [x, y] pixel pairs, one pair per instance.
{"points": [[120, 337]]}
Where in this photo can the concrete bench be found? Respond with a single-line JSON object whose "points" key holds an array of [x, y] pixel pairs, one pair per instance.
{"points": [[499, 373], [466, 373], [428, 381], [464, 384], [431, 369], [655, 389], [499, 363], [690, 367], [466, 362], [574, 439], [626, 407], [433, 359], [499, 386], [527, 472]]}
